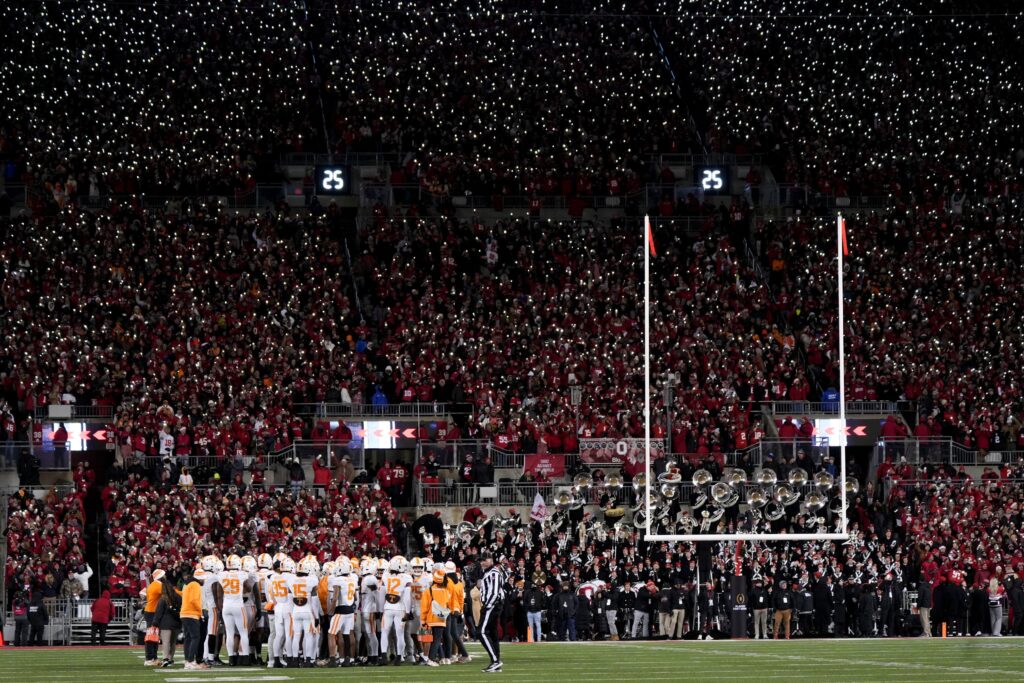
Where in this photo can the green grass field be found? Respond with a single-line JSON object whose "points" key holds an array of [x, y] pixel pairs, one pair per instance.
{"points": [[968, 659]]}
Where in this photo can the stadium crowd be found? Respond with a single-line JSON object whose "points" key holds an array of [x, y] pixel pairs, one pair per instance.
{"points": [[204, 330]]}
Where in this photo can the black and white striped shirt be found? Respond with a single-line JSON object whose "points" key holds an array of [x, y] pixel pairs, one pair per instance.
{"points": [[492, 587]]}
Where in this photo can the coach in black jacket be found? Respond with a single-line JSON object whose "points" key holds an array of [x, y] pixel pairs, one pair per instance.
{"points": [[534, 602], [758, 601], [822, 592]]}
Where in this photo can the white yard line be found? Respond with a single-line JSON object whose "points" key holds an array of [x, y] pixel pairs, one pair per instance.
{"points": [[841, 661]]}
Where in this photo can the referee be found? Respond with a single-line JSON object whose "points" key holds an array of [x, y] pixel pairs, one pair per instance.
{"points": [[492, 597]]}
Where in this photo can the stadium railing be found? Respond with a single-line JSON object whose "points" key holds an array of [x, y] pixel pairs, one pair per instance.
{"points": [[78, 412], [10, 451], [410, 410], [450, 454], [798, 408], [942, 450]]}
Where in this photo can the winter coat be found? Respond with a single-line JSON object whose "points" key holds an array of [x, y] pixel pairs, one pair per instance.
{"points": [[102, 609]]}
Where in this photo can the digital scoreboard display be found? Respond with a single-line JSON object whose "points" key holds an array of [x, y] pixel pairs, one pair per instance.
{"points": [[332, 180], [712, 179]]}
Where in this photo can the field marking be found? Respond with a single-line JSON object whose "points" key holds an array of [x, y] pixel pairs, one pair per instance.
{"points": [[228, 678], [837, 660]]}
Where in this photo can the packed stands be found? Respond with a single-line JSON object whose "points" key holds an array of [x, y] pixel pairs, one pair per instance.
{"points": [[209, 328]]}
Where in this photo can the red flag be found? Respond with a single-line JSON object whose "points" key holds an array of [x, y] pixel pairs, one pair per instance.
{"points": [[650, 236], [842, 223]]}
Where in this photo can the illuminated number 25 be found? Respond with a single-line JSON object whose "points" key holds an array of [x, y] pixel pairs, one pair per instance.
{"points": [[712, 180], [333, 180]]}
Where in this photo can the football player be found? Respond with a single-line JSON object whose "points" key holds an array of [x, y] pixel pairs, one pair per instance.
{"points": [[420, 582], [283, 626], [344, 587], [235, 585], [397, 608], [368, 590], [211, 648], [305, 611]]}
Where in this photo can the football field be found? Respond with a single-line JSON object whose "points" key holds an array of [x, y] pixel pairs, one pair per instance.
{"points": [[966, 659]]}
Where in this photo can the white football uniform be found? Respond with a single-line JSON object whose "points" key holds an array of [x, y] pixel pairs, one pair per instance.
{"points": [[347, 589], [236, 584], [369, 588], [282, 614], [305, 610], [397, 590], [213, 623]]}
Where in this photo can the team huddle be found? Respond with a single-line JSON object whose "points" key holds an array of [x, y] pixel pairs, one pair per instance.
{"points": [[364, 608]]}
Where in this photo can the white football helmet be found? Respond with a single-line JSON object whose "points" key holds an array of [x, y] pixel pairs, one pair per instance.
{"points": [[249, 564], [280, 557], [449, 567], [288, 565], [209, 563], [218, 565], [368, 568], [382, 565], [309, 565], [233, 562], [327, 568], [398, 565], [265, 561], [342, 566], [416, 566]]}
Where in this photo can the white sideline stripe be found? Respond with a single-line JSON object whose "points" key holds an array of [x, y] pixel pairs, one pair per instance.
{"points": [[226, 678], [848, 662]]}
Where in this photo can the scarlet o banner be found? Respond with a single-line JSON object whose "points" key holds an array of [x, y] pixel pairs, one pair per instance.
{"points": [[549, 464], [618, 451]]}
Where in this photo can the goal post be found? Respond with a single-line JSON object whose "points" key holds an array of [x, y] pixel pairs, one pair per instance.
{"points": [[649, 250]]}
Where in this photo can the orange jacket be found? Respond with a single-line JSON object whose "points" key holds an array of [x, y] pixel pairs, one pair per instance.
{"points": [[192, 601], [443, 595], [458, 596]]}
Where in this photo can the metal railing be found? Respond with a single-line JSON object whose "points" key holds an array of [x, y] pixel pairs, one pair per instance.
{"points": [[832, 407], [78, 412], [942, 450], [465, 495], [414, 410], [710, 159], [451, 494], [65, 614], [449, 454], [11, 450]]}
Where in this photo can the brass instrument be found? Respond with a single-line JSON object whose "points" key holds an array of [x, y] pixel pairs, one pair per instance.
{"points": [[797, 477], [724, 495], [824, 480], [757, 498]]}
